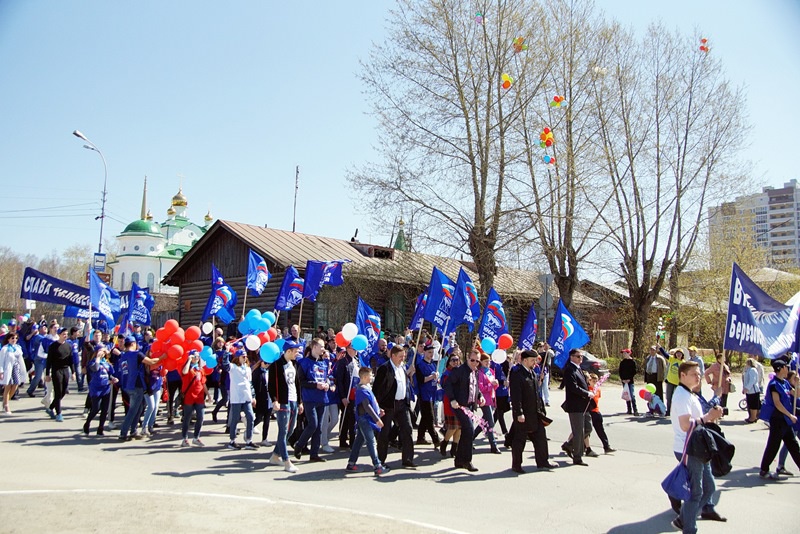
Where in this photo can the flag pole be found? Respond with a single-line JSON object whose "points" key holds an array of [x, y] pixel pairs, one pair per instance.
{"points": [[244, 304], [300, 319]]}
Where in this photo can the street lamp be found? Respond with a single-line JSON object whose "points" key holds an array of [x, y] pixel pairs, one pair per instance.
{"points": [[92, 146]]}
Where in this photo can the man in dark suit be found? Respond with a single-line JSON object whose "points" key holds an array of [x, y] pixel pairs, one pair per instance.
{"points": [[390, 392], [577, 405], [527, 409], [462, 389]]}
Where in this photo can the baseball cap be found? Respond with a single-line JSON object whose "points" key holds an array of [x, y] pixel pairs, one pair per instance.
{"points": [[427, 347], [777, 365], [628, 351], [12, 322], [61, 330], [290, 344], [693, 348]]}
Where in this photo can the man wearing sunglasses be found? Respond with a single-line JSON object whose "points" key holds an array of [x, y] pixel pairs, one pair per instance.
{"points": [[462, 390]]}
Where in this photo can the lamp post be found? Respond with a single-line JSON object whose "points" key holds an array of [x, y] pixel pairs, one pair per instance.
{"points": [[91, 146]]}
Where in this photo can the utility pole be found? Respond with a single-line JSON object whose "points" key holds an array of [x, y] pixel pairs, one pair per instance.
{"points": [[296, 188]]}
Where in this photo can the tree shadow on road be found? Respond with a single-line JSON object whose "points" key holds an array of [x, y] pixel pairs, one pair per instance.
{"points": [[656, 523]]}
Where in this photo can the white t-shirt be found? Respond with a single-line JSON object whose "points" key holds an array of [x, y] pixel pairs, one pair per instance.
{"points": [[683, 402], [289, 373]]}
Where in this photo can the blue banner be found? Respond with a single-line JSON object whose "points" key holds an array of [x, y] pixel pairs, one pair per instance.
{"points": [[440, 299], [139, 311], [494, 323], [369, 324], [466, 309], [291, 292], [529, 330], [222, 299], [419, 309], [257, 274], [566, 335], [321, 273], [80, 313], [104, 299], [45, 288], [757, 323]]}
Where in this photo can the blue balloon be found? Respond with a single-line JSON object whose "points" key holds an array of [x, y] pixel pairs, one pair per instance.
{"points": [[269, 352], [244, 327], [261, 326], [488, 345], [269, 316], [279, 342], [253, 313], [359, 342], [207, 351], [210, 360]]}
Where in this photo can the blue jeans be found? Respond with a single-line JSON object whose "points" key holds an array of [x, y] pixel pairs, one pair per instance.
{"points": [[234, 411], [38, 367], [631, 403], [703, 487], [312, 431], [784, 452], [199, 411], [286, 419], [364, 433], [151, 406], [135, 399], [488, 416]]}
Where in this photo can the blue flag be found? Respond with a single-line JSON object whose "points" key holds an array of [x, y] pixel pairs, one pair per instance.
{"points": [[257, 274], [466, 308], [529, 330], [104, 299], [494, 323], [222, 299], [45, 288], [291, 292], [140, 305], [566, 335], [419, 308], [321, 273], [440, 299], [757, 323], [369, 324]]}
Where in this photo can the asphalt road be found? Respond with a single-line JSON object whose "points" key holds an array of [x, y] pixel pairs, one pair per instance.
{"points": [[56, 480]]}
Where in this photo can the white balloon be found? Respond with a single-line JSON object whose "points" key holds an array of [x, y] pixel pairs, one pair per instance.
{"points": [[349, 331], [207, 328], [252, 342], [499, 356]]}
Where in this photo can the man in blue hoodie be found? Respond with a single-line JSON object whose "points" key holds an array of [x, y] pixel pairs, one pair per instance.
{"points": [[131, 378], [315, 381]]}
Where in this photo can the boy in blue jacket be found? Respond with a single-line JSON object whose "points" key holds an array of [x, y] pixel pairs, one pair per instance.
{"points": [[368, 421]]}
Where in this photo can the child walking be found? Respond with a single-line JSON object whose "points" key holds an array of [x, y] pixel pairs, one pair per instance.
{"points": [[368, 421], [597, 417]]}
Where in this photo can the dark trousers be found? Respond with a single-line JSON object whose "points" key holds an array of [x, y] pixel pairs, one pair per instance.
{"points": [[464, 451], [426, 421], [653, 379], [172, 388], [399, 415], [779, 431], [60, 379], [577, 422], [265, 417], [112, 408], [347, 426], [597, 423], [539, 439], [99, 404], [223, 401]]}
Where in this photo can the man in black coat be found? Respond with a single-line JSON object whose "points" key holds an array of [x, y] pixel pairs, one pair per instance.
{"points": [[390, 392], [527, 409], [577, 405], [461, 388]]}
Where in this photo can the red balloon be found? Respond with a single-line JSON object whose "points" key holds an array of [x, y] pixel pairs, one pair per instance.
{"points": [[549, 142], [157, 347], [162, 335], [547, 130], [170, 365], [341, 341], [196, 345], [273, 334], [642, 393], [208, 370], [192, 333], [175, 352], [264, 337], [177, 338], [505, 341], [171, 326]]}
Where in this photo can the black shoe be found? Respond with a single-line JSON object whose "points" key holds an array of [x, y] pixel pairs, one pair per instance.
{"points": [[519, 470], [453, 449], [548, 465], [317, 459], [422, 441], [609, 450], [100, 433], [495, 450], [343, 445], [214, 416], [443, 449], [468, 466], [591, 454], [677, 523], [409, 464], [676, 505], [580, 462], [30, 394], [713, 516], [567, 448], [298, 453]]}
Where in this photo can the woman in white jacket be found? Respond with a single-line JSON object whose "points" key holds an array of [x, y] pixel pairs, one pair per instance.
{"points": [[12, 369], [241, 400], [751, 390]]}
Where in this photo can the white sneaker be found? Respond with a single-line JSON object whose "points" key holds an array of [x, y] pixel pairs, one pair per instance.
{"points": [[289, 467], [275, 460], [197, 443], [185, 443], [327, 448], [266, 443]]}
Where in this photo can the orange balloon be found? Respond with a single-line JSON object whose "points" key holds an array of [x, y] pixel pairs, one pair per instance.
{"points": [[171, 326], [192, 333]]}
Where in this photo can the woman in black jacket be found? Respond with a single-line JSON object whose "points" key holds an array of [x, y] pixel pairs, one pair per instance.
{"points": [[627, 370]]}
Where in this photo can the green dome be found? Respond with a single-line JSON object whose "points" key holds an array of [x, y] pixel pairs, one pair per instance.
{"points": [[142, 227]]}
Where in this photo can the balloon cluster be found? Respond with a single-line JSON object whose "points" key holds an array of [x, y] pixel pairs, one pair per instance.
{"points": [[557, 101], [546, 138], [349, 337], [497, 348], [507, 81], [258, 331], [479, 17], [176, 343], [548, 159], [647, 392], [704, 45], [23, 318], [519, 45]]}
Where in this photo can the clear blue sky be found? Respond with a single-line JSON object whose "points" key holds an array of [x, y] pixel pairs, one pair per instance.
{"points": [[233, 95]]}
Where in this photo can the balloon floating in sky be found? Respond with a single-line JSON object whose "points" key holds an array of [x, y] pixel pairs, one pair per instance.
{"points": [[507, 81], [557, 101], [550, 160], [704, 45], [479, 17], [519, 45], [546, 138]]}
